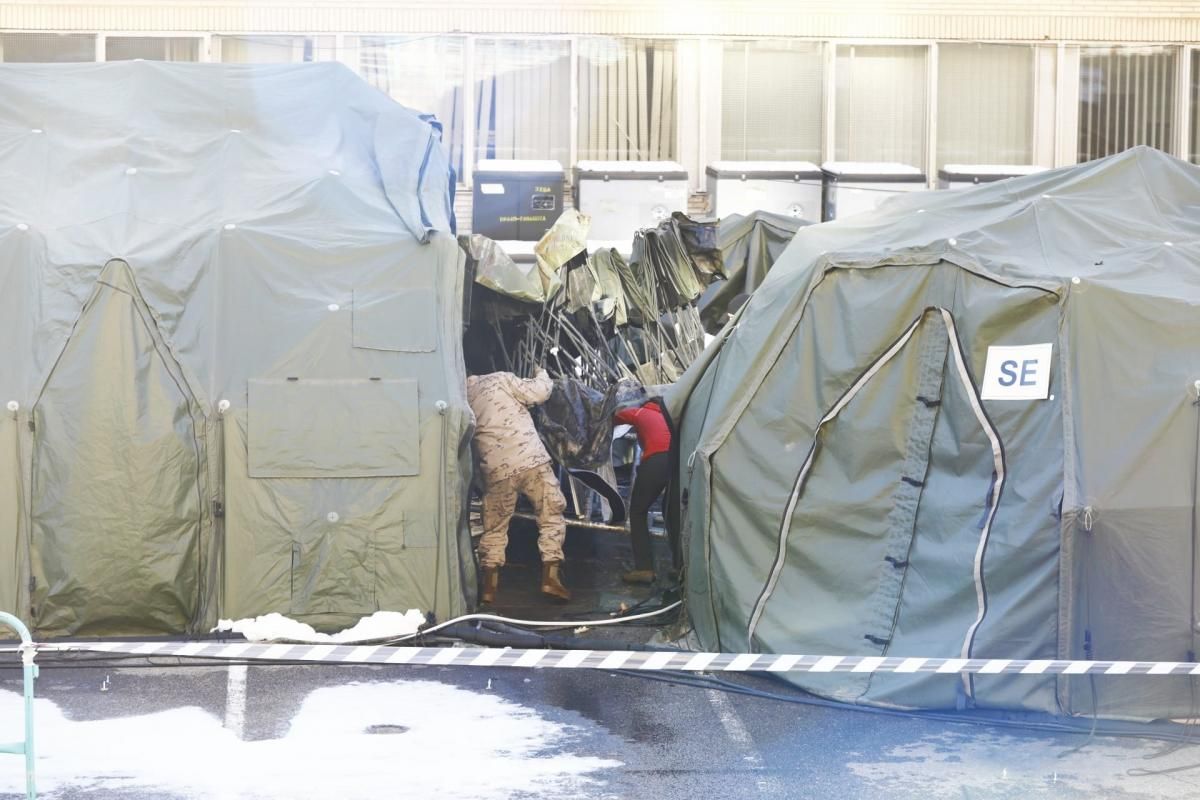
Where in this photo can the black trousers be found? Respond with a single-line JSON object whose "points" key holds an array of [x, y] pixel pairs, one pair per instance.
{"points": [[651, 481]]}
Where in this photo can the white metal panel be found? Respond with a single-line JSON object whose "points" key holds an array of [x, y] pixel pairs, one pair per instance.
{"points": [[1073, 20]]}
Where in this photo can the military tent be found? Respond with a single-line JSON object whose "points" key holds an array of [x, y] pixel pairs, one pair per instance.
{"points": [[963, 426], [232, 382]]}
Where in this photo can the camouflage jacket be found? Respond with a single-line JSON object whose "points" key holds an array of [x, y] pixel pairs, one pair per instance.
{"points": [[506, 439]]}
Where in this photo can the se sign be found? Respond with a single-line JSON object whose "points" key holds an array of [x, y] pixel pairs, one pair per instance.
{"points": [[1018, 373]]}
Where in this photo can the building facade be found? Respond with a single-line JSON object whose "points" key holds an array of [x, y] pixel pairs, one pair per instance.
{"points": [[921, 82]]}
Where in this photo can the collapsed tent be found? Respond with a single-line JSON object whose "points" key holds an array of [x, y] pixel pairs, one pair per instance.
{"points": [[232, 306], [869, 472], [749, 246]]}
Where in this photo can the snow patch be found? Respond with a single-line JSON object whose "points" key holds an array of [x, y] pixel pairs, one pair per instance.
{"points": [[443, 742], [278, 628]]}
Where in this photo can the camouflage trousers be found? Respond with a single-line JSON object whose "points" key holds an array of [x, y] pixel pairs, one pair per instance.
{"points": [[540, 485]]}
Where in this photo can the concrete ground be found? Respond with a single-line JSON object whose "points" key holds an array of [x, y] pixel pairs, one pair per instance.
{"points": [[157, 730]]}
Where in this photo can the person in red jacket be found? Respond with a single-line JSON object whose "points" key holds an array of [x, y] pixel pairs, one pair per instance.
{"points": [[653, 473]]}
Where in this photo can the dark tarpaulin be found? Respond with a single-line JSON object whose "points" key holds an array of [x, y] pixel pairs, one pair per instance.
{"points": [[576, 424]]}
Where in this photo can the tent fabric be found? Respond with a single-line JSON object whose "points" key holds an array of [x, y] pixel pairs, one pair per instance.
{"points": [[849, 491], [749, 246], [232, 384]]}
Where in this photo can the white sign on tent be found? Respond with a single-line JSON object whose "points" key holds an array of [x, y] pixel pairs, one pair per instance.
{"points": [[1018, 373]]}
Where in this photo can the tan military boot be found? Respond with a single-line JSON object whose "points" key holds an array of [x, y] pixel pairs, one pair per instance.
{"points": [[491, 583], [552, 585]]}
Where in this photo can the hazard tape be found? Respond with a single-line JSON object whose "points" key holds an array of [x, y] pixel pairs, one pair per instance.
{"points": [[660, 660]]}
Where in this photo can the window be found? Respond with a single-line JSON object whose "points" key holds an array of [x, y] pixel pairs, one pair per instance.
{"points": [[424, 73], [771, 101], [523, 99], [1126, 98], [273, 49], [880, 105], [43, 47], [126, 48], [626, 99], [985, 104]]}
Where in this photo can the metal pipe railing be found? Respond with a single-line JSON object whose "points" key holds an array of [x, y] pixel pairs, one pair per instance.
{"points": [[30, 670]]}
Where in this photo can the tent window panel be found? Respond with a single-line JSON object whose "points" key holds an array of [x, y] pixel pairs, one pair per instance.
{"points": [[880, 106], [425, 73], [1126, 98], [626, 99], [16, 48], [274, 49], [985, 104], [404, 321], [151, 48], [771, 102], [325, 428], [523, 99]]}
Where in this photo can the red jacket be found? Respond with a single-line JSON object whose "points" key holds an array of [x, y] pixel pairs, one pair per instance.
{"points": [[654, 435]]}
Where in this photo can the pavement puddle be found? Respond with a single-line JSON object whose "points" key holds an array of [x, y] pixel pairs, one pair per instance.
{"points": [[443, 741], [978, 764]]}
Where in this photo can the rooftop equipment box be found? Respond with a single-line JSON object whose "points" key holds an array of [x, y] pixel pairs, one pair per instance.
{"points": [[852, 187], [516, 200], [622, 197], [963, 176], [791, 188]]}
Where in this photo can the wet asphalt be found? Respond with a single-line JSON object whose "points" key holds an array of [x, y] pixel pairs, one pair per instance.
{"points": [[665, 741], [652, 739]]}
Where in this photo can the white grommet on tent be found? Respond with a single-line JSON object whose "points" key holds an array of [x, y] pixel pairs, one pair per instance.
{"points": [[1051, 397], [332, 516], [333, 307], [131, 171], [441, 406], [1075, 280], [13, 406], [229, 226], [222, 406], [21, 226]]}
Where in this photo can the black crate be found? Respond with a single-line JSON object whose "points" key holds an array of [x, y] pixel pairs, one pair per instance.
{"points": [[515, 205]]}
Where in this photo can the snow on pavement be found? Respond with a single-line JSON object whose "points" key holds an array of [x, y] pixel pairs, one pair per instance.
{"points": [[409, 739]]}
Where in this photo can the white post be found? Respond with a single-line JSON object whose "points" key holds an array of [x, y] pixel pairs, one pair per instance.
{"points": [[931, 123], [468, 169], [1183, 96], [1066, 145], [829, 139], [573, 145]]}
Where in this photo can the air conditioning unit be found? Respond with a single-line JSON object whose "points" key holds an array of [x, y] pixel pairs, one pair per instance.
{"points": [[790, 188], [963, 176], [623, 197], [852, 187]]}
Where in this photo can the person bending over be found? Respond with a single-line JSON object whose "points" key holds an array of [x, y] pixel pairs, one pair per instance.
{"points": [[514, 461]]}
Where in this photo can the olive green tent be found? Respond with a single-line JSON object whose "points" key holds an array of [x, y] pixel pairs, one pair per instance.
{"points": [[231, 381], [963, 426]]}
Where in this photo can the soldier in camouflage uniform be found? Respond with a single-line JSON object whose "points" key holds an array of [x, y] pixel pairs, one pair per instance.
{"points": [[514, 461]]}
